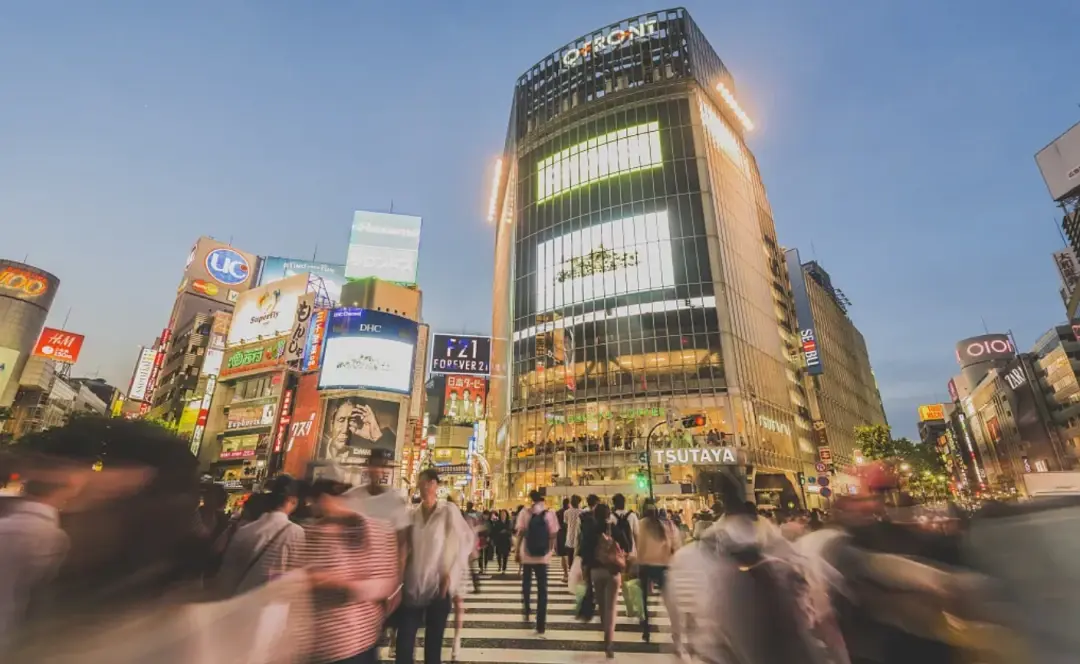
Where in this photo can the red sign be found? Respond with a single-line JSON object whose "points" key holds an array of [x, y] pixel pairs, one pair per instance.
{"points": [[283, 421], [59, 345], [465, 398], [824, 453], [318, 333], [303, 426], [238, 454]]}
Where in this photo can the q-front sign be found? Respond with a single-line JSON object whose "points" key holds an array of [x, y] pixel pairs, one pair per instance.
{"points": [[604, 43], [703, 456]]}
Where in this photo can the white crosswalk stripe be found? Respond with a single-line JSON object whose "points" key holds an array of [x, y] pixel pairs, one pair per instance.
{"points": [[494, 629]]}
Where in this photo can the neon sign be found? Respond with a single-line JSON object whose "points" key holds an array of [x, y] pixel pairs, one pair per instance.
{"points": [[25, 283], [609, 42]]}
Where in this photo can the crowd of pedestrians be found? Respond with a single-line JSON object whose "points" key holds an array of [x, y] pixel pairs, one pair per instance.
{"points": [[326, 573]]}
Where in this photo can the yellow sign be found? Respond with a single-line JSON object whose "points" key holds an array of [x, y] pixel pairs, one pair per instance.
{"points": [[930, 412]]}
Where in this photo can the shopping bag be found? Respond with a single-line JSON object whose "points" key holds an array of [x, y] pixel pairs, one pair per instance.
{"points": [[576, 579], [586, 604], [632, 598]]}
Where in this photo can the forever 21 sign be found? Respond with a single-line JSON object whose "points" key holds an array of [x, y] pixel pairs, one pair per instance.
{"points": [[460, 354]]}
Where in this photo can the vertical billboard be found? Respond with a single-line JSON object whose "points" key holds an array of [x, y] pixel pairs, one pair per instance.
{"points": [[384, 246], [368, 349], [305, 308], [267, 311], [218, 271], [332, 275], [465, 400], [304, 426], [804, 315], [59, 345], [140, 379], [353, 426], [315, 339]]}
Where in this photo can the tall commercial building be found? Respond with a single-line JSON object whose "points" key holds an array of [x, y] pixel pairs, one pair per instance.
{"points": [[1059, 164], [26, 293], [1057, 365], [637, 276], [845, 393]]}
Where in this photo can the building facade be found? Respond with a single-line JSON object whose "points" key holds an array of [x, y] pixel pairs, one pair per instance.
{"points": [[844, 394], [638, 274], [1057, 365], [26, 293]]}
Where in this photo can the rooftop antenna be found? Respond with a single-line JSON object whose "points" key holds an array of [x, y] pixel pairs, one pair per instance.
{"points": [[230, 240], [813, 250], [1061, 234], [63, 326], [315, 253], [26, 258], [985, 329], [391, 206]]}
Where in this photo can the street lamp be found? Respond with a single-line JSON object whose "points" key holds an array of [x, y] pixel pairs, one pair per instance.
{"points": [[689, 422]]}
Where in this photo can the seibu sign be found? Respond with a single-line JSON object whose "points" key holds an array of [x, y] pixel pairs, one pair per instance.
{"points": [[604, 43], [698, 456]]}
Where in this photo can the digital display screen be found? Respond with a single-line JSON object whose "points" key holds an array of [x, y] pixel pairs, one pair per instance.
{"points": [[366, 349]]}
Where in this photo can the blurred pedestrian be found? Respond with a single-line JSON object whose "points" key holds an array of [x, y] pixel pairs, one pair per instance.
{"points": [[572, 516], [605, 561], [267, 548], [502, 536], [656, 543], [441, 542], [352, 565], [560, 539]]}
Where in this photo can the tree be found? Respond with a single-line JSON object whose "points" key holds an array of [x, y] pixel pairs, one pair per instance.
{"points": [[921, 468]]}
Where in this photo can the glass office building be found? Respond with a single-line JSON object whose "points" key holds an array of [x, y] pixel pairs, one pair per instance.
{"points": [[638, 275]]}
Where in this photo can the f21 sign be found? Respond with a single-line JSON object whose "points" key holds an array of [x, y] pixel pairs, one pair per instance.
{"points": [[460, 354]]}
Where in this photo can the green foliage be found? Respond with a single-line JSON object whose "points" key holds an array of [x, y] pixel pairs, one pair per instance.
{"points": [[921, 468]]}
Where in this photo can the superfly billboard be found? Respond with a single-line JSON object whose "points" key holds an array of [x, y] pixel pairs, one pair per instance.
{"points": [[267, 311], [218, 271]]}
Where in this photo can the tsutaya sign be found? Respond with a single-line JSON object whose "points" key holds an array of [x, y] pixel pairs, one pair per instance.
{"points": [[707, 456], [609, 42]]}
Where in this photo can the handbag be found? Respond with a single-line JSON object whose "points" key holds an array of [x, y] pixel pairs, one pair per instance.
{"points": [[610, 555]]}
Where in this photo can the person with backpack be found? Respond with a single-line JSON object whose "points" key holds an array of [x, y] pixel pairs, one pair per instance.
{"points": [[606, 561], [656, 543], [624, 524], [537, 529]]}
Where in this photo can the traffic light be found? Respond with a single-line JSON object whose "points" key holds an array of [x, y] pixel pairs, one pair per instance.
{"points": [[642, 482], [693, 421], [802, 479]]}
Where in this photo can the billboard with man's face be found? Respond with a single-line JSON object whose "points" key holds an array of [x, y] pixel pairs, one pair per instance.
{"points": [[466, 399], [353, 426]]}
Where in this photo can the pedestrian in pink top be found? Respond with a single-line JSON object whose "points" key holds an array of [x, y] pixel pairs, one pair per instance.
{"points": [[536, 529]]}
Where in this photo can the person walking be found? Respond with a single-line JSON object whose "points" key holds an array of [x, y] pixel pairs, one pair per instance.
{"points": [[573, 528], [267, 547], [656, 543], [441, 542], [502, 535], [537, 529], [624, 524], [560, 539], [351, 562], [605, 561]]}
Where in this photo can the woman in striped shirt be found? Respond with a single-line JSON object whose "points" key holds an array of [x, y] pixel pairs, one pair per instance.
{"points": [[352, 563]]}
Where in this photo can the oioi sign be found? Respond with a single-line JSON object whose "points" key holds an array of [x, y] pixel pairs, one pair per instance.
{"points": [[608, 42]]}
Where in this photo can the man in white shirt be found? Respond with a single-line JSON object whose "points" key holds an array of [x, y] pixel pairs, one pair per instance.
{"points": [[267, 548], [32, 548], [535, 554], [377, 500]]}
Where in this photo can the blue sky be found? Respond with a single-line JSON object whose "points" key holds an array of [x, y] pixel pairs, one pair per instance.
{"points": [[897, 137]]}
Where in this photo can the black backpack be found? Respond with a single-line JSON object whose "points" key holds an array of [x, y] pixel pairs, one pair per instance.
{"points": [[622, 533], [537, 536]]}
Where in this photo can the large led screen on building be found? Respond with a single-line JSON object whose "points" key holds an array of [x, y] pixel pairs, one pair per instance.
{"points": [[465, 400], [27, 283], [616, 153], [461, 354], [267, 311], [384, 246], [368, 349], [275, 268], [353, 426], [619, 257]]}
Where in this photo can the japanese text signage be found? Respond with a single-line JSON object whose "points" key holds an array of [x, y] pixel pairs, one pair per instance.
{"points": [[803, 314], [294, 352], [254, 357], [59, 345], [931, 412], [315, 339], [460, 354]]}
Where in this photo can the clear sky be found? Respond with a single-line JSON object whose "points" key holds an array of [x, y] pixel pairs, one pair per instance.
{"points": [[897, 137]]}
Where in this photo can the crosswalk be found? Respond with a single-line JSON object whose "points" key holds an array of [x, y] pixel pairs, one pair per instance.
{"points": [[494, 630]]}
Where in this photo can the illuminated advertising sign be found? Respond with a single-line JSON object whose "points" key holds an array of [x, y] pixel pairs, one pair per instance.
{"points": [[465, 399], [953, 394], [242, 447], [353, 426], [315, 339], [283, 421], [20, 281], [460, 354], [368, 349], [983, 349], [609, 41], [254, 357], [188, 419], [303, 426], [275, 268], [931, 412], [267, 311], [294, 352], [218, 271], [803, 314], [705, 456], [384, 246], [59, 345], [631, 255], [141, 377], [159, 360], [613, 154], [250, 417]]}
